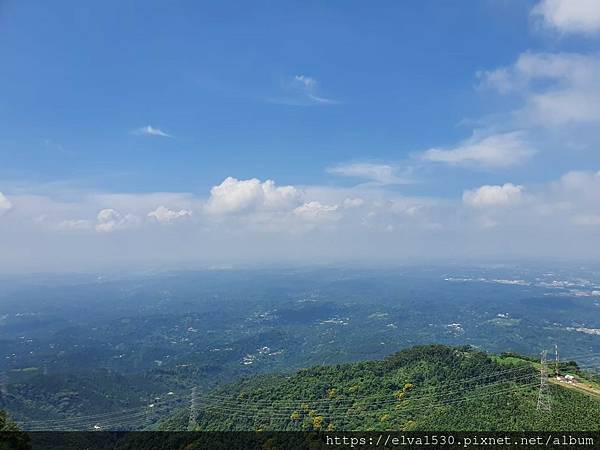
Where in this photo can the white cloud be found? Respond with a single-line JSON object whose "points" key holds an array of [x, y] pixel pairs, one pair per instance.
{"points": [[322, 100], [149, 130], [582, 182], [560, 207], [317, 221], [5, 204], [315, 211], [307, 82], [140, 204], [309, 86], [557, 88], [494, 151], [234, 196], [569, 16], [485, 196], [576, 194], [109, 220], [75, 224], [379, 173], [302, 90], [575, 197], [163, 214]]}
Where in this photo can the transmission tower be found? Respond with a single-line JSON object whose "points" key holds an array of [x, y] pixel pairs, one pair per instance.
{"points": [[543, 403], [557, 362], [193, 423]]}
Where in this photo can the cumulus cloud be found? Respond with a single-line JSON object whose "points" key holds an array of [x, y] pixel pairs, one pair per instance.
{"points": [[379, 173], [163, 214], [235, 196], [149, 130], [251, 217], [568, 16], [494, 151], [557, 88], [484, 196], [109, 220], [5, 204], [562, 207]]}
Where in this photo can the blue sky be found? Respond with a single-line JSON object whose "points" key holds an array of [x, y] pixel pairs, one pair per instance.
{"points": [[417, 103], [84, 75]]}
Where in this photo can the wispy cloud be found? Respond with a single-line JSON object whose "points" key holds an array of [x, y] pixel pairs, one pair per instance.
{"points": [[302, 90], [53, 146], [556, 88], [378, 173], [493, 151], [149, 130], [75, 224], [307, 82]]}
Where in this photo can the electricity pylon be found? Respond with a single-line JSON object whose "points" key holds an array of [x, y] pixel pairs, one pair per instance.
{"points": [[557, 362], [543, 403], [193, 423]]}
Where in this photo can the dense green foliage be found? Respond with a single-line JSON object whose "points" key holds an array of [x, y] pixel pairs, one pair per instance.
{"points": [[423, 388], [6, 424], [40, 396], [10, 435]]}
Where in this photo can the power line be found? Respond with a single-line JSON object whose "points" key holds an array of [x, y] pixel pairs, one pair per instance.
{"points": [[103, 423], [217, 397], [410, 406], [272, 405], [275, 407], [349, 400], [112, 413], [244, 408], [451, 388], [225, 403], [440, 386]]}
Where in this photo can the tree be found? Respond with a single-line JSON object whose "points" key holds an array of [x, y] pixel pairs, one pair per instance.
{"points": [[10, 436]]}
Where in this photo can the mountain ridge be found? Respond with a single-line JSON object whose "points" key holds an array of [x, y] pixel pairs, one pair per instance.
{"points": [[420, 388]]}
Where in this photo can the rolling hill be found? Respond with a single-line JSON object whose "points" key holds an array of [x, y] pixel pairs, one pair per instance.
{"points": [[430, 387]]}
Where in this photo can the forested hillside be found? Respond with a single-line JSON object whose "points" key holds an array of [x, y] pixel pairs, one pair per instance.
{"points": [[423, 388]]}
